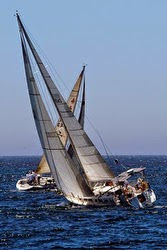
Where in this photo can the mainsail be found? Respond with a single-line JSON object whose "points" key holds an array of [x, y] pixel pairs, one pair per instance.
{"points": [[43, 166], [92, 162], [66, 175]]}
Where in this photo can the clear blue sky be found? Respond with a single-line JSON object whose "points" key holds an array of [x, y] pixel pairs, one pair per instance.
{"points": [[124, 44]]}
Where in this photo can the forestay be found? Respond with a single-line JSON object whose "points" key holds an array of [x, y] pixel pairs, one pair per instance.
{"points": [[92, 162], [59, 161]]}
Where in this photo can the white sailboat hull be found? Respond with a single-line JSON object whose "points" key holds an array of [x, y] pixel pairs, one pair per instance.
{"points": [[91, 201], [45, 183], [135, 202], [144, 200]]}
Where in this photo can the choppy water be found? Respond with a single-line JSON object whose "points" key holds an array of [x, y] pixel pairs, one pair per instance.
{"points": [[44, 220]]}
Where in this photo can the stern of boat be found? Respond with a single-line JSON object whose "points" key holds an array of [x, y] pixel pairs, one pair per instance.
{"points": [[144, 200]]}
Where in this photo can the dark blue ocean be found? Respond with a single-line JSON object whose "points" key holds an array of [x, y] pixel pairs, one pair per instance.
{"points": [[44, 220]]}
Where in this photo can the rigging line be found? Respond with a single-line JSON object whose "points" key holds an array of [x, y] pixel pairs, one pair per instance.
{"points": [[54, 76], [114, 157], [47, 59], [44, 95], [104, 145], [105, 148], [100, 139], [48, 102]]}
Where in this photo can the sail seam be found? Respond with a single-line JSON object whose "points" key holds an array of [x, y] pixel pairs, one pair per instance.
{"points": [[87, 155], [62, 149], [40, 120], [93, 163]]}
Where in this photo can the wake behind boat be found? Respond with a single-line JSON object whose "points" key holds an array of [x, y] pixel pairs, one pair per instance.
{"points": [[83, 176]]}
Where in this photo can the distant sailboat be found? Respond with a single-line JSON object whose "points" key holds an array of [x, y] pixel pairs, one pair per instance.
{"points": [[88, 180]]}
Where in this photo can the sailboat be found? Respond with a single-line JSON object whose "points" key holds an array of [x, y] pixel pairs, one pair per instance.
{"points": [[85, 178], [41, 178]]}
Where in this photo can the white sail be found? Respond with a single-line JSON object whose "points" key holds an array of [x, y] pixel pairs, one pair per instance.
{"points": [[71, 102], [67, 177], [43, 166], [81, 120], [94, 166]]}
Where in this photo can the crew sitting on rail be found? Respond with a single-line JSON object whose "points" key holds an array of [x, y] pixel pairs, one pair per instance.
{"points": [[142, 185], [33, 178]]}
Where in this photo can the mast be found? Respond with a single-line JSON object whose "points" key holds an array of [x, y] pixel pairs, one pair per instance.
{"points": [[92, 162]]}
